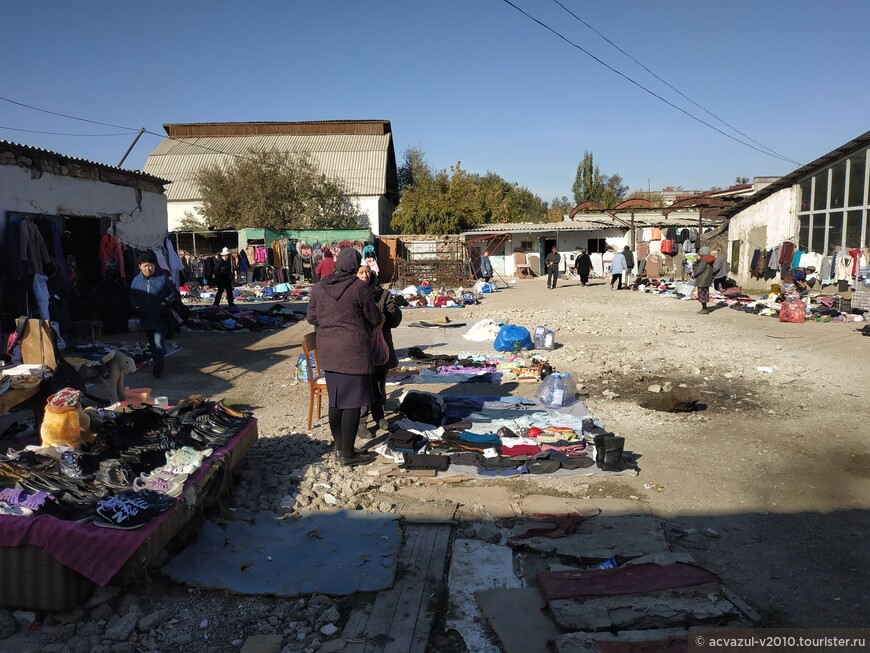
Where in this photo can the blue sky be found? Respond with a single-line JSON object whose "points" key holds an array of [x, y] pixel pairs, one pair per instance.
{"points": [[464, 80]]}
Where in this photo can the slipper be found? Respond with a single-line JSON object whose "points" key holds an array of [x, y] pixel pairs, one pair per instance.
{"points": [[543, 466], [577, 462]]}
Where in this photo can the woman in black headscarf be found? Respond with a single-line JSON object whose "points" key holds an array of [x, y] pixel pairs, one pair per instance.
{"points": [[344, 312]]}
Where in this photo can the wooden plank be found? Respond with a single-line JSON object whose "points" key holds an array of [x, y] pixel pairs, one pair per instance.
{"points": [[377, 629], [434, 584], [409, 596], [400, 619]]}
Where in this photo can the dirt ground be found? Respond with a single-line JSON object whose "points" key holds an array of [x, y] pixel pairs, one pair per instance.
{"points": [[776, 464]]}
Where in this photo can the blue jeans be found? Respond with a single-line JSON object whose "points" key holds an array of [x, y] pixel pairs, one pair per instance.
{"points": [[157, 341]]}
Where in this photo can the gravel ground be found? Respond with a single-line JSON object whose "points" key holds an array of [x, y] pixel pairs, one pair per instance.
{"points": [[775, 466]]}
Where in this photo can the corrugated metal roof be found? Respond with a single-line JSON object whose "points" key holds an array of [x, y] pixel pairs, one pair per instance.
{"points": [[794, 177], [360, 161], [29, 149], [686, 219]]}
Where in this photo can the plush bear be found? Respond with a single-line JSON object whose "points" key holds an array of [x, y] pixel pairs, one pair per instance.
{"points": [[115, 366], [64, 417]]}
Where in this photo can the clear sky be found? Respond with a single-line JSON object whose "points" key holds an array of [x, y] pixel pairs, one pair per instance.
{"points": [[464, 80]]}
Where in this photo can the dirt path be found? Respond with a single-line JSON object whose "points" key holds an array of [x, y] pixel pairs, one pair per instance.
{"points": [[776, 466]]}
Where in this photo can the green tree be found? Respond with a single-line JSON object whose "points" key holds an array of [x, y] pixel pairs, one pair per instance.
{"points": [[455, 200], [563, 204], [741, 180], [591, 184], [654, 197], [274, 190], [413, 167]]}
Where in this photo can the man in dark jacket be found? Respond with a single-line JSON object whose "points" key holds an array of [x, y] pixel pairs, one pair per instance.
{"points": [[344, 313], [553, 259], [223, 278], [151, 293], [485, 267], [629, 263]]}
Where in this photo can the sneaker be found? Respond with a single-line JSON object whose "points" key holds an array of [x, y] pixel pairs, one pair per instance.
{"points": [[158, 484], [383, 424]]}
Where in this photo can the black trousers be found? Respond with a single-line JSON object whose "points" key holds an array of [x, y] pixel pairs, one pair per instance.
{"points": [[552, 277], [221, 287]]}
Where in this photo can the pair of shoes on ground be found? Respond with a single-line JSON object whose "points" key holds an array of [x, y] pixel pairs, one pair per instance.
{"points": [[704, 311]]}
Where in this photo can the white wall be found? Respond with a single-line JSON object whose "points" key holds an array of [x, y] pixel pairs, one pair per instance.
{"points": [[141, 225], [763, 225], [378, 209]]}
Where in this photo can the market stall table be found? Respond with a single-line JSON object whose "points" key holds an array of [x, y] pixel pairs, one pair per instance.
{"points": [[51, 564]]}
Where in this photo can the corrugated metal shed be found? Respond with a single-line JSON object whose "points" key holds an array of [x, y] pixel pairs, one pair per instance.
{"points": [[361, 161]]}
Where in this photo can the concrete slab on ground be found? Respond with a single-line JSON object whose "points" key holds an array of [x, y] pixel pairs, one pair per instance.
{"points": [[600, 642], [501, 607], [680, 607], [601, 538], [472, 502], [437, 510], [476, 566]]}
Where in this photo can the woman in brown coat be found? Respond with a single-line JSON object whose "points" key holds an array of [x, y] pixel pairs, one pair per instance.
{"points": [[344, 313]]}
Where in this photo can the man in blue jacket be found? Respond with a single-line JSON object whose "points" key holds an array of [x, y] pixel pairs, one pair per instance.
{"points": [[151, 293]]}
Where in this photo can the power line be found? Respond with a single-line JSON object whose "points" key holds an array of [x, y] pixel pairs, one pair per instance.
{"points": [[63, 115], [33, 131], [645, 89], [161, 136], [670, 85]]}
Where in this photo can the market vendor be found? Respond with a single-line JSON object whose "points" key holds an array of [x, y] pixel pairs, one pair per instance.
{"points": [[804, 278]]}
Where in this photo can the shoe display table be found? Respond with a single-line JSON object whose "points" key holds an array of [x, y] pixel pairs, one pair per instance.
{"points": [[52, 564]]}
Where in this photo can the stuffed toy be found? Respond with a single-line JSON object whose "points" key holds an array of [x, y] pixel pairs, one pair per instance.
{"points": [[65, 423], [115, 366]]}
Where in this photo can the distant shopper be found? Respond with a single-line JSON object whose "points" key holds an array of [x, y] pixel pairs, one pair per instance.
{"points": [[552, 261], [629, 263], [223, 278], [617, 267], [583, 266], [720, 269], [702, 270], [327, 265], [485, 267], [151, 293]]}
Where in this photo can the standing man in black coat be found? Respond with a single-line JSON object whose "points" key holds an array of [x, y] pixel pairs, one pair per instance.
{"points": [[553, 259], [223, 278]]}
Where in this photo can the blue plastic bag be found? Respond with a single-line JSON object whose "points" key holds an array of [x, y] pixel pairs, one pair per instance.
{"points": [[512, 337], [302, 366]]}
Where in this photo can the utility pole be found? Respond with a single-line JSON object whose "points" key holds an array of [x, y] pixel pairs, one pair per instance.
{"points": [[130, 149]]}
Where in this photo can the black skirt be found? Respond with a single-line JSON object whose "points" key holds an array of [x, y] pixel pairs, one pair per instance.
{"points": [[348, 390]]}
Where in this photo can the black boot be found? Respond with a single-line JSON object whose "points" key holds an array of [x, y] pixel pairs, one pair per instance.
{"points": [[599, 440], [613, 449]]}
